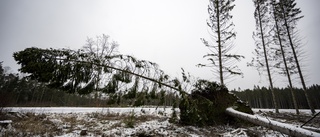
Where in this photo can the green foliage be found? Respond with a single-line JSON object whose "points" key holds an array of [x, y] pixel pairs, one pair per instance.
{"points": [[56, 68], [8, 85], [207, 104], [130, 120], [95, 67], [112, 86], [123, 77], [140, 100], [16, 91], [174, 116], [162, 97], [153, 91], [243, 107], [113, 99]]}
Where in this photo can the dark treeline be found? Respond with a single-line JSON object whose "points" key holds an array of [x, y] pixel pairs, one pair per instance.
{"points": [[21, 91], [260, 97]]}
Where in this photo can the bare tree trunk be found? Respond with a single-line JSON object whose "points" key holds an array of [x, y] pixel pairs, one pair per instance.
{"points": [[285, 63], [219, 44], [42, 95], [297, 63], [266, 60], [33, 92], [17, 100], [51, 100], [274, 125]]}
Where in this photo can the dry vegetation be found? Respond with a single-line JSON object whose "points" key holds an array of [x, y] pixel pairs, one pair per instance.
{"points": [[105, 124], [31, 124], [96, 124]]}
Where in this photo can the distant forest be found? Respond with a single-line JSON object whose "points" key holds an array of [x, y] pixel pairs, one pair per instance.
{"points": [[260, 97]]}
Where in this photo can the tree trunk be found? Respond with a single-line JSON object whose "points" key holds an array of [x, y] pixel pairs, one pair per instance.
{"points": [[51, 99], [219, 43], [297, 62], [285, 63], [266, 60], [274, 125], [17, 100], [42, 95], [33, 92]]}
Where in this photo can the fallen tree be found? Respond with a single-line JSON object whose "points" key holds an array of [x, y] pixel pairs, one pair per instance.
{"points": [[80, 72], [206, 105], [75, 72], [274, 125]]}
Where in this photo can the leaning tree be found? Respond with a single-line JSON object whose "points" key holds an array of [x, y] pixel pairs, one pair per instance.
{"points": [[98, 66], [282, 51], [70, 70], [79, 71], [262, 39], [289, 14]]}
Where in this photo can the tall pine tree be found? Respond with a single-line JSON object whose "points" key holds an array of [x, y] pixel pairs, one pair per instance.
{"points": [[281, 51], [222, 34], [262, 42], [290, 15]]}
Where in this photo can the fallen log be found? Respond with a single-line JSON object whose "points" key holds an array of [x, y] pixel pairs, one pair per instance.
{"points": [[274, 125]]}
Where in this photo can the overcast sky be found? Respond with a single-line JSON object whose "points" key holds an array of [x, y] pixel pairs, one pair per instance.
{"points": [[167, 32]]}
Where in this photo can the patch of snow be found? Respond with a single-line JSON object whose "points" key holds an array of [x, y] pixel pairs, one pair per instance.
{"points": [[5, 121], [70, 121]]}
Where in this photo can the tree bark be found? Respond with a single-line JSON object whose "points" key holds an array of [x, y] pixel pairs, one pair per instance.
{"points": [[285, 63], [297, 61], [274, 125], [219, 43], [266, 60]]}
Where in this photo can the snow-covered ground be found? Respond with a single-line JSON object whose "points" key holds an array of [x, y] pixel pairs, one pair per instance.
{"points": [[141, 121]]}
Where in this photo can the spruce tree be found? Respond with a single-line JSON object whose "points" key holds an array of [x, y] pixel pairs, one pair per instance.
{"points": [[90, 69], [278, 30], [290, 15], [221, 26]]}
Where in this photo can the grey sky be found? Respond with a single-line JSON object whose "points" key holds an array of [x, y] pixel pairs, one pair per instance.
{"points": [[167, 32]]}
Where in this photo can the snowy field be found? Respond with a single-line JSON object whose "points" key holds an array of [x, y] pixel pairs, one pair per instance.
{"points": [[141, 121], [122, 110], [138, 110]]}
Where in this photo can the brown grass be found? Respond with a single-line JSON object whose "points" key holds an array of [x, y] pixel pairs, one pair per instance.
{"points": [[32, 124]]}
